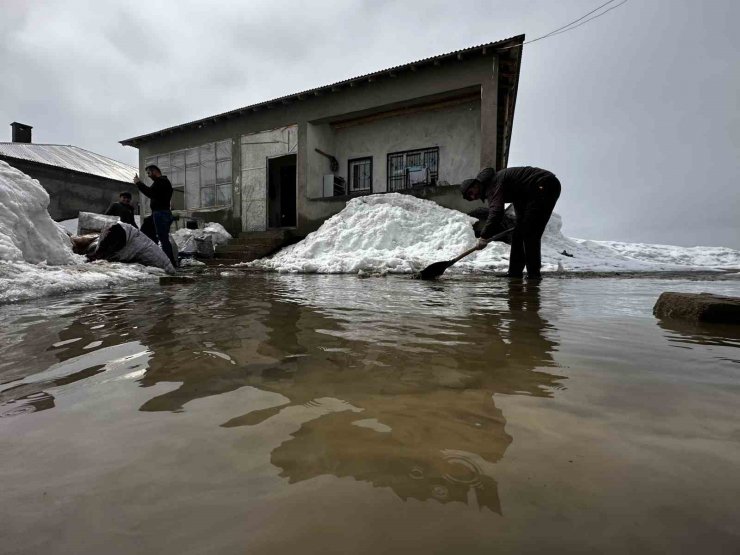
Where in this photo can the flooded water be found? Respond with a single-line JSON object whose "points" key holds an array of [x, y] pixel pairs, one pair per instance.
{"points": [[267, 413]]}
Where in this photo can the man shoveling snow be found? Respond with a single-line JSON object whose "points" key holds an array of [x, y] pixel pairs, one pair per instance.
{"points": [[533, 192]]}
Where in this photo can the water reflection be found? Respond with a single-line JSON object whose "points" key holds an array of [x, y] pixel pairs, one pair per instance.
{"points": [[390, 382], [683, 334], [70, 342], [416, 384]]}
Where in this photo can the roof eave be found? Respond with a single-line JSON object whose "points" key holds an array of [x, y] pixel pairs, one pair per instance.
{"points": [[485, 49], [62, 168]]}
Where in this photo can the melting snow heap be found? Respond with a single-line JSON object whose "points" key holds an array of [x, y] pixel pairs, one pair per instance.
{"points": [[399, 233], [36, 257]]}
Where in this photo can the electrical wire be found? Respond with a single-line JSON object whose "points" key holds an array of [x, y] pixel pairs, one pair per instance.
{"points": [[570, 26], [589, 19]]}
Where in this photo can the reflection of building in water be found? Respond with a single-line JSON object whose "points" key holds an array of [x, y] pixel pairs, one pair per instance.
{"points": [[428, 427]]}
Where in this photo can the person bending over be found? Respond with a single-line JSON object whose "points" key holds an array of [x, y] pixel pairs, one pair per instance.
{"points": [[534, 192], [122, 242]]}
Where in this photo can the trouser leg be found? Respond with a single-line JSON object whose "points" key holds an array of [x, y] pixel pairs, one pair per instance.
{"points": [[148, 229], [533, 244], [517, 254], [537, 214], [162, 222]]}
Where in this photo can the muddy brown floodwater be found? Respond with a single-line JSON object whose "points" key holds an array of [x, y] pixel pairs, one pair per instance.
{"points": [[268, 413]]}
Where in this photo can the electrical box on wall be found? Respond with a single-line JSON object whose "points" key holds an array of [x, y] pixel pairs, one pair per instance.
{"points": [[328, 189]]}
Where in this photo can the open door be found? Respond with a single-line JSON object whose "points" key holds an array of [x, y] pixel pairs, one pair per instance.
{"points": [[281, 191]]}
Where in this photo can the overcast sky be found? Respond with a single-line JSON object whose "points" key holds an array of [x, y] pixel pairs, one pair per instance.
{"points": [[637, 112]]}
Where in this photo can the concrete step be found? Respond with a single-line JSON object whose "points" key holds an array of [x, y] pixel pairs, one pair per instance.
{"points": [[250, 246], [280, 235]]}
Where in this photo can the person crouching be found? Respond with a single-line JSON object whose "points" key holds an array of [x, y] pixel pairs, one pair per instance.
{"points": [[122, 242]]}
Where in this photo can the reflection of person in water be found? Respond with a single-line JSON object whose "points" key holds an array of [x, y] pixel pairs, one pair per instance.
{"points": [[424, 425]]}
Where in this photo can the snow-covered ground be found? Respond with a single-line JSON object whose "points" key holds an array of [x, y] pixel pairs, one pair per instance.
{"points": [[36, 257], [401, 234]]}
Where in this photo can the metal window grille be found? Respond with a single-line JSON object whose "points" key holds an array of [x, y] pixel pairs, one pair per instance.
{"points": [[360, 173], [413, 168]]}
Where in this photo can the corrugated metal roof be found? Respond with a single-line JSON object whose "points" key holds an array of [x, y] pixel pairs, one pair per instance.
{"points": [[503, 44], [70, 158]]}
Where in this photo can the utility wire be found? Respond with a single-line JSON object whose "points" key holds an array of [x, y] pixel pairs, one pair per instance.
{"points": [[564, 27], [570, 26], [589, 19]]}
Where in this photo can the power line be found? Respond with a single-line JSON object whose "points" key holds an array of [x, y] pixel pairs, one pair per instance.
{"points": [[589, 19], [570, 26]]}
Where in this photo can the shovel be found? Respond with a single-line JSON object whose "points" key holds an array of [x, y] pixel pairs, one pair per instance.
{"points": [[438, 268]]}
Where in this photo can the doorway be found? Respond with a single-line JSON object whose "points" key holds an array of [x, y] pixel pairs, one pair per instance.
{"points": [[281, 191]]}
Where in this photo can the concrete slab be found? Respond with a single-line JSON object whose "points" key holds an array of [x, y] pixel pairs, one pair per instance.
{"points": [[698, 307]]}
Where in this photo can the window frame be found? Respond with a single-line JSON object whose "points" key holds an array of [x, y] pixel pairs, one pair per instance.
{"points": [[350, 183]]}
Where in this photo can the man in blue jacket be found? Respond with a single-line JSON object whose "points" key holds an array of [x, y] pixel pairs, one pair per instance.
{"points": [[157, 226], [534, 192]]}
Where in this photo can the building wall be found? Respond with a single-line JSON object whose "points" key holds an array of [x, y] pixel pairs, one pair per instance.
{"points": [[313, 114], [72, 192], [256, 148], [319, 136], [455, 130]]}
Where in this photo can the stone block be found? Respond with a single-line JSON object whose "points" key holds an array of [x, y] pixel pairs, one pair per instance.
{"points": [[698, 307]]}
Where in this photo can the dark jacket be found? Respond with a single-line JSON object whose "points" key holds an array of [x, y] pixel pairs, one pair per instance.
{"points": [[504, 186], [160, 192], [123, 211]]}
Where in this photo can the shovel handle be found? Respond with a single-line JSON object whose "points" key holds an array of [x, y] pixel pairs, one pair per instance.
{"points": [[471, 251]]}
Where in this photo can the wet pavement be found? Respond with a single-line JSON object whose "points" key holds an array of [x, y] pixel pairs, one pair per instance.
{"points": [[270, 413]]}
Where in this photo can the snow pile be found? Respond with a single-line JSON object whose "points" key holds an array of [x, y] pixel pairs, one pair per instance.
{"points": [[380, 233], [36, 257], [402, 234], [27, 232]]}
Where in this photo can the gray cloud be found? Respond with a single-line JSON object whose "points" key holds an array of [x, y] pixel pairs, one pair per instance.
{"points": [[638, 111]]}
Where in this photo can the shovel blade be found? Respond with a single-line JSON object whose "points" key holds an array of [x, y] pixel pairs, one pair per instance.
{"points": [[434, 270]]}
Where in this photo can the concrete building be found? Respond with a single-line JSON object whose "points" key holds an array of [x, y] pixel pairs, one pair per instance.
{"points": [[76, 179], [291, 162]]}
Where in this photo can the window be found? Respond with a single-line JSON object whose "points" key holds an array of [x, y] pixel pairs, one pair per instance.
{"points": [[413, 168], [360, 175], [201, 174]]}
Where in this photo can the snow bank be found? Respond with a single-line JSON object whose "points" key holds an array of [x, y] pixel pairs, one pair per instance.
{"points": [[36, 257], [27, 232], [384, 233], [402, 234]]}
